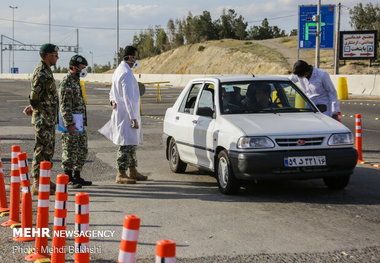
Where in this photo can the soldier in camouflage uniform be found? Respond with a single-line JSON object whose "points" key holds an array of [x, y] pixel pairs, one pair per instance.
{"points": [[43, 108], [74, 141]]}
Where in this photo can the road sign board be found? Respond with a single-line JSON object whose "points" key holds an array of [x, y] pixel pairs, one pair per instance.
{"points": [[307, 26], [358, 45]]}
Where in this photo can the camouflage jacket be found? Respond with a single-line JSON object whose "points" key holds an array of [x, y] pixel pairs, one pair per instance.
{"points": [[71, 99], [44, 96]]}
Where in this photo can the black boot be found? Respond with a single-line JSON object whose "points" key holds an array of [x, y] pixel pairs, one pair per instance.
{"points": [[72, 181], [80, 179]]}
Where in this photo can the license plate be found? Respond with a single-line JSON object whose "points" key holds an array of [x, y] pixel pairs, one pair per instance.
{"points": [[301, 161]]}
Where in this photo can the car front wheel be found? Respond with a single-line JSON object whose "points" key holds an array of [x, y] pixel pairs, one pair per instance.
{"points": [[337, 182], [175, 162], [227, 182]]}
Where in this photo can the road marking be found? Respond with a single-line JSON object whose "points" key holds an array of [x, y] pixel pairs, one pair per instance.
{"points": [[352, 116], [370, 130], [144, 104], [154, 117]]}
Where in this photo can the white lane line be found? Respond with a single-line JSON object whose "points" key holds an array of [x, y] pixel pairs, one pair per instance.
{"points": [[371, 130]]}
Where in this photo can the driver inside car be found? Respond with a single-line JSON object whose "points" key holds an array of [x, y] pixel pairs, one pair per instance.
{"points": [[258, 97]]}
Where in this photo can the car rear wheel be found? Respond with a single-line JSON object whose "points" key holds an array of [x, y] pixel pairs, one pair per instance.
{"points": [[227, 182], [337, 182], [175, 162]]}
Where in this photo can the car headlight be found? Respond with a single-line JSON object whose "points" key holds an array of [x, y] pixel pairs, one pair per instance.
{"points": [[255, 143], [341, 139]]}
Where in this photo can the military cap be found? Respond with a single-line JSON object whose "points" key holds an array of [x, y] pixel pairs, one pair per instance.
{"points": [[78, 59], [48, 48]]}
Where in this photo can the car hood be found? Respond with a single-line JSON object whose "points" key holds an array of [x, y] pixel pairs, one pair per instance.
{"points": [[285, 123]]}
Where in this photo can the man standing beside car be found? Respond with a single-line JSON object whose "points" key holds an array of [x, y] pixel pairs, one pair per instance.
{"points": [[124, 128], [317, 85]]}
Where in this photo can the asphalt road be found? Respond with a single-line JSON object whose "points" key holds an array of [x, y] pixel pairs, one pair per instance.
{"points": [[285, 221]]}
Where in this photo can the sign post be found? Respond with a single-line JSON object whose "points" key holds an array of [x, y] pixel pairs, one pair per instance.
{"points": [[358, 45], [308, 26]]}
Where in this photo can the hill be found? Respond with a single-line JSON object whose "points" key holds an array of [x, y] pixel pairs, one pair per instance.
{"points": [[228, 56]]}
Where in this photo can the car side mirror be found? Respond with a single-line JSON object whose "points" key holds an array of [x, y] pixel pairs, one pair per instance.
{"points": [[205, 111], [322, 107]]}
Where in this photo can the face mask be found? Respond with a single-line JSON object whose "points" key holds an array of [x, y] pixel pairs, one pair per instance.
{"points": [[83, 73], [136, 64]]}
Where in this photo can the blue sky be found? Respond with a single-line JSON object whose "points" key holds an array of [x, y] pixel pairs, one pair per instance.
{"points": [[134, 16]]}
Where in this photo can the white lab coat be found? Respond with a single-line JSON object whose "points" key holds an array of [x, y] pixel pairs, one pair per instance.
{"points": [[320, 90], [125, 92]]}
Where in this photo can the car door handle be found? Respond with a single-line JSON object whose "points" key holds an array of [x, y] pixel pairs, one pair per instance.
{"points": [[177, 117], [195, 121]]}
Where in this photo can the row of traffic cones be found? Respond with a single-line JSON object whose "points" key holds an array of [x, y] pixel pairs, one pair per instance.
{"points": [[165, 251]]}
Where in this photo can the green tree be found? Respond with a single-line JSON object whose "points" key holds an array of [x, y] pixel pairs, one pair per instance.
{"points": [[162, 41], [265, 31], [240, 28], [144, 42], [226, 24], [365, 18], [277, 32], [171, 32], [179, 39], [293, 32], [207, 27]]}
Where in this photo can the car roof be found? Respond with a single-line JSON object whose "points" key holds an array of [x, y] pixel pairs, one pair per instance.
{"points": [[231, 78]]}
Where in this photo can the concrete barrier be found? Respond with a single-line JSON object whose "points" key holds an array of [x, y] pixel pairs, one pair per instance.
{"points": [[361, 85]]}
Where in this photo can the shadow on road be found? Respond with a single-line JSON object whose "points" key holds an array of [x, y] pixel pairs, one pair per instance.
{"points": [[363, 189]]}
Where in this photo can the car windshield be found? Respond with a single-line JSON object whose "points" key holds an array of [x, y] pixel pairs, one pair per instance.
{"points": [[262, 97]]}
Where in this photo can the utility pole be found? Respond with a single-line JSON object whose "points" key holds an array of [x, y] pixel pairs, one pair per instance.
{"points": [[77, 51], [92, 62], [336, 62], [13, 35], [117, 35], [49, 21], [1, 46], [318, 37]]}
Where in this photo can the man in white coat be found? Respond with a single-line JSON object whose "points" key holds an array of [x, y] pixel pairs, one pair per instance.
{"points": [[124, 127], [317, 85]]}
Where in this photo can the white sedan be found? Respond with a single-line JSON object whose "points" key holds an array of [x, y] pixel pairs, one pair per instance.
{"points": [[256, 128]]}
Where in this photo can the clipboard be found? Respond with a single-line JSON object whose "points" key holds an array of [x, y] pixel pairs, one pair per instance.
{"points": [[78, 119]]}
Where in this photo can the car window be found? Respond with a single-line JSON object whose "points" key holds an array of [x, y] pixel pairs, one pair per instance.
{"points": [[261, 97], [188, 103], [206, 98]]}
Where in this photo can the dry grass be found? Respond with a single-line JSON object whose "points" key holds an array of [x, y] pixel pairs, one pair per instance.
{"points": [[229, 56]]}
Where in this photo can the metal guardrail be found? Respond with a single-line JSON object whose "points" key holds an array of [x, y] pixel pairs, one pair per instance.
{"points": [[158, 88]]}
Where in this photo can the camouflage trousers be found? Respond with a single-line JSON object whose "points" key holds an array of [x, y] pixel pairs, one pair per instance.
{"points": [[44, 147], [126, 157], [74, 150]]}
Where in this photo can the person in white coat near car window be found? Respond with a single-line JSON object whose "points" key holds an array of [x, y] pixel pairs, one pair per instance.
{"points": [[317, 85], [124, 127]]}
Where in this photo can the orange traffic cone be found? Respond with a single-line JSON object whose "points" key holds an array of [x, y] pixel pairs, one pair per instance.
{"points": [[14, 212], [358, 135], [82, 220], [41, 244], [26, 203], [129, 237], [4, 209], [165, 251], [60, 213]]}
